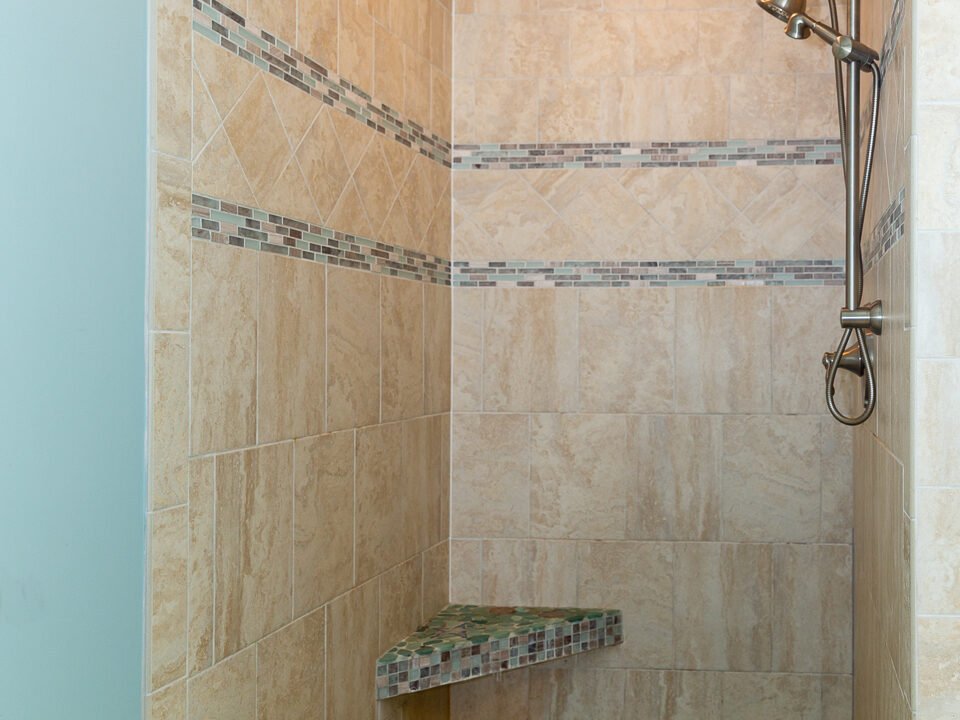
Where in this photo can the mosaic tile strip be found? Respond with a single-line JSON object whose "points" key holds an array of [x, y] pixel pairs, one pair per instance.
{"points": [[639, 273], [234, 33], [227, 223], [730, 153], [469, 641], [888, 231], [892, 35]]}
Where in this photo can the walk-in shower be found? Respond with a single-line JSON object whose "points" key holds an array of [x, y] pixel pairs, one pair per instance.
{"points": [[854, 317]]}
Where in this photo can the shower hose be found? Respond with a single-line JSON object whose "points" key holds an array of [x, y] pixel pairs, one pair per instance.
{"points": [[870, 398]]}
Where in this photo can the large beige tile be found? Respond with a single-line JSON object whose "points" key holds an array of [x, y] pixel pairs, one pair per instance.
{"points": [[723, 613], [254, 545], [937, 189], [323, 519], [353, 349], [352, 629], [937, 644], [836, 478], [673, 695], [836, 697], [813, 329], [938, 305], [467, 350], [637, 578], [697, 107], [626, 350], [938, 551], [202, 519], [487, 110], [355, 40], [656, 50], [938, 394], [812, 608], [168, 596], [529, 572], [317, 24], [771, 478], [580, 468], [401, 303], [491, 476], [401, 601], [170, 703], [169, 419], [436, 580], [228, 691], [723, 338], [217, 172], [529, 357], [466, 570], [675, 492], [223, 348], [171, 68], [601, 44], [378, 500], [290, 671], [170, 256], [291, 342], [570, 694], [755, 696], [436, 348], [420, 492], [278, 17], [504, 696]]}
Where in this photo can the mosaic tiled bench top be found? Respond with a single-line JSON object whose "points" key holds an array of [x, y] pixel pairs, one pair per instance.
{"points": [[468, 641]]}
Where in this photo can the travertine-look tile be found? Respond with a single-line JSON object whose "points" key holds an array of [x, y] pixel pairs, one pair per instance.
{"points": [[836, 697], [201, 568], [836, 479], [228, 691], [638, 579], [168, 596], [488, 111], [278, 17], [937, 453], [401, 303], [167, 704], [324, 167], [290, 338], [420, 490], [504, 696], [223, 348], [771, 478], [379, 509], [755, 696], [353, 644], [169, 419], [401, 601], [290, 671], [937, 196], [528, 361], [569, 694], [529, 572], [714, 374], [938, 556], [254, 545], [323, 519], [723, 611], [217, 172], [436, 349], [812, 608], [580, 467], [355, 35], [436, 580], [353, 349], [673, 695], [171, 28], [491, 475], [170, 255], [467, 350], [626, 350], [317, 30], [938, 308], [675, 492], [466, 571]]}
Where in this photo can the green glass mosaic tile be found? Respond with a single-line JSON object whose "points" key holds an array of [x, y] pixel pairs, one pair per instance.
{"points": [[468, 641]]}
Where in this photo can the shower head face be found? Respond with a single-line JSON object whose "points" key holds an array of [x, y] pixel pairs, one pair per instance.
{"points": [[783, 9]]}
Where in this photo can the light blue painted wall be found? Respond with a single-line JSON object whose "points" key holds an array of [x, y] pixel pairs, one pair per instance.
{"points": [[73, 127]]}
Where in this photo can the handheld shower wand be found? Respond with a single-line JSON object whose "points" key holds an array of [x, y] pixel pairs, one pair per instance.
{"points": [[854, 318]]}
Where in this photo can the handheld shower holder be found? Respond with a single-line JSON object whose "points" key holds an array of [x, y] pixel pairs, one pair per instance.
{"points": [[869, 317]]}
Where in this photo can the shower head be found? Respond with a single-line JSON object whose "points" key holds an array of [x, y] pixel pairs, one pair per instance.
{"points": [[783, 9]]}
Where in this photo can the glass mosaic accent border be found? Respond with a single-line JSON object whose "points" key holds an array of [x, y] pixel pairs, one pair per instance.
{"points": [[468, 641], [221, 221], [888, 231], [228, 28], [639, 273], [892, 35], [729, 153]]}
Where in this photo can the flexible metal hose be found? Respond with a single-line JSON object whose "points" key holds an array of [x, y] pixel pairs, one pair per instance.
{"points": [[838, 75], [870, 400]]}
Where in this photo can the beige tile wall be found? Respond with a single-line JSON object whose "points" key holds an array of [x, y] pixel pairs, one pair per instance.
{"points": [[884, 516], [936, 358], [300, 413]]}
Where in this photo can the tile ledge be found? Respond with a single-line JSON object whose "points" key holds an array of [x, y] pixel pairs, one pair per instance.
{"points": [[463, 642]]}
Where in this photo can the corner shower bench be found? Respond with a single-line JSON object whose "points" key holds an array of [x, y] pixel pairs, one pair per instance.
{"points": [[464, 642]]}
